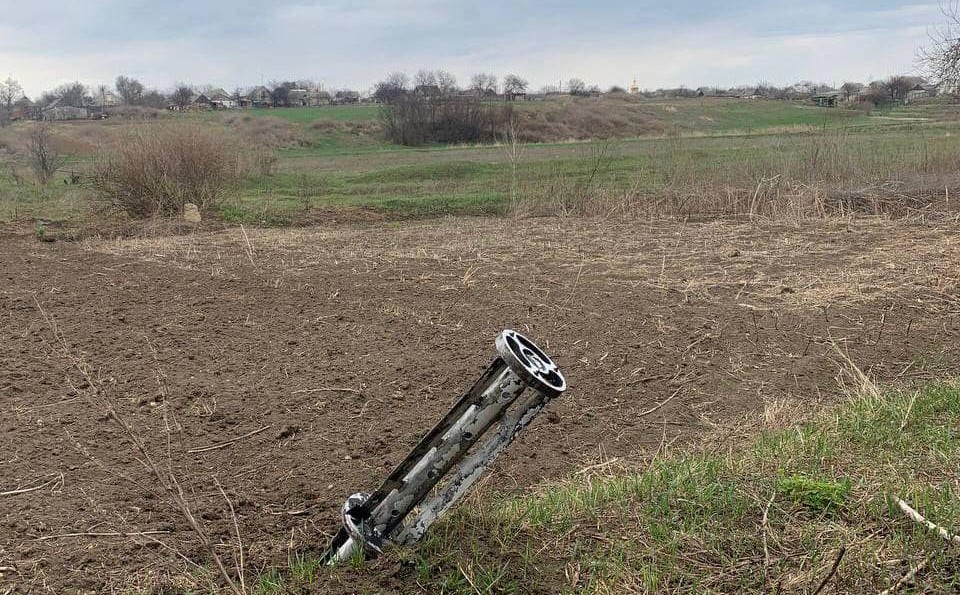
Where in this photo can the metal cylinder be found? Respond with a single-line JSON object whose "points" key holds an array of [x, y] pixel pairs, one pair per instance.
{"points": [[370, 522]]}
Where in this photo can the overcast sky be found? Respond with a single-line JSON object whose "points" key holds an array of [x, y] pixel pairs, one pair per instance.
{"points": [[353, 43]]}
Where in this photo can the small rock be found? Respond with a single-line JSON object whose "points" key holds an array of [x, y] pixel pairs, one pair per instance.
{"points": [[733, 253], [191, 213]]}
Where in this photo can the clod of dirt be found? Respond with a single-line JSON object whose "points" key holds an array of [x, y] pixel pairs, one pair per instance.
{"points": [[288, 432]]}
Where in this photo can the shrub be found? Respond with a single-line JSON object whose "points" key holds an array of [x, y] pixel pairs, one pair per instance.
{"points": [[45, 160], [155, 170], [411, 120]]}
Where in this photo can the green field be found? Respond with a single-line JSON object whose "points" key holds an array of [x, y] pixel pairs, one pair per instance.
{"points": [[305, 115], [335, 157]]}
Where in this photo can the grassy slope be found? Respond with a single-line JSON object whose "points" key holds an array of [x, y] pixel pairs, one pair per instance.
{"points": [[430, 182], [694, 522]]}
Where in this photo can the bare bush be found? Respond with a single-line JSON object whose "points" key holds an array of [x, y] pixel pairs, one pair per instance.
{"points": [[411, 120], [155, 170], [45, 160]]}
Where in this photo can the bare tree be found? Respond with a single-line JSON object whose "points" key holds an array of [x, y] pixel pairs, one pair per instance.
{"points": [[130, 90], [182, 96], [391, 88], [75, 94], [940, 58], [898, 86], [154, 99], [10, 92], [484, 83], [44, 158], [514, 85], [425, 78], [577, 86], [447, 82]]}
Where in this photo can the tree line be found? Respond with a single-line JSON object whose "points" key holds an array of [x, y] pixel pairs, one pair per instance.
{"points": [[481, 84]]}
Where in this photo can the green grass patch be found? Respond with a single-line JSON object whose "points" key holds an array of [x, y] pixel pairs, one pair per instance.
{"points": [[694, 522], [306, 115]]}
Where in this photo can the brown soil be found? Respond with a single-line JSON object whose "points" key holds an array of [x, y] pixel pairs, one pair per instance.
{"points": [[729, 317]]}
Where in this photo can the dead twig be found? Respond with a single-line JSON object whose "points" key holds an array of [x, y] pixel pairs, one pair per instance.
{"points": [[596, 466], [906, 416], [240, 566], [670, 398], [246, 238], [763, 528], [227, 442], [906, 578], [326, 390], [99, 534], [58, 478], [833, 570], [918, 518]]}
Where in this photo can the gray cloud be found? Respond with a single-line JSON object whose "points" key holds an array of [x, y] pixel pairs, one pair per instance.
{"points": [[353, 43]]}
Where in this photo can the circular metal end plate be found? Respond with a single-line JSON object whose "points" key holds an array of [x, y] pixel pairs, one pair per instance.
{"points": [[530, 363]]}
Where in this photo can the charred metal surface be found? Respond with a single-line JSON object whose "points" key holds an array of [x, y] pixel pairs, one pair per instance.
{"points": [[372, 522]]}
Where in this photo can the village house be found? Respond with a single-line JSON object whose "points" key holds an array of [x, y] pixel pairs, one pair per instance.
{"points": [[259, 96], [201, 102], [346, 97], [318, 98], [918, 91], [57, 111], [827, 98], [107, 98], [220, 99]]}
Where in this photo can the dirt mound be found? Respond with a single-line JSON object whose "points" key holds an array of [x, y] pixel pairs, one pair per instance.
{"points": [[295, 367]]}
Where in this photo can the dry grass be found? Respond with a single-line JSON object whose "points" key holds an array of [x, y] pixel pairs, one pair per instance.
{"points": [[803, 265], [811, 177], [265, 131], [570, 118]]}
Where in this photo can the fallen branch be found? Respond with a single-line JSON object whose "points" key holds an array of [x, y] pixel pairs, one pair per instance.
{"points": [[906, 578], [670, 398], [59, 477], [917, 517], [833, 570], [95, 534], [326, 390], [590, 468], [228, 442]]}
